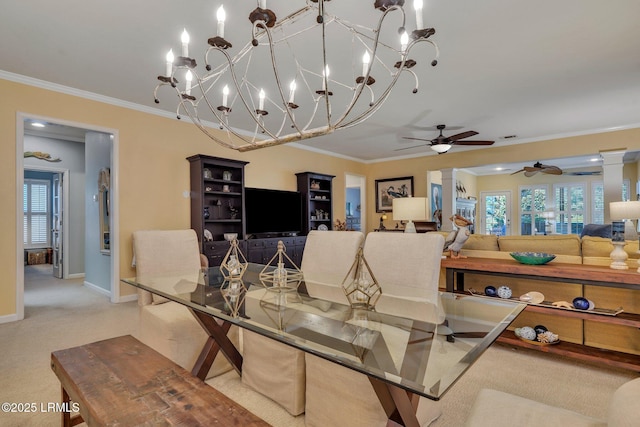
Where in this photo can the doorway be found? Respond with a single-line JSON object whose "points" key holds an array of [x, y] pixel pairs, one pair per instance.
{"points": [[495, 213], [112, 288], [355, 190]]}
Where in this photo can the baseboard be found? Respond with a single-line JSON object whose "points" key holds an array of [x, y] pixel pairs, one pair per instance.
{"points": [[97, 289], [75, 276], [128, 298], [9, 318]]}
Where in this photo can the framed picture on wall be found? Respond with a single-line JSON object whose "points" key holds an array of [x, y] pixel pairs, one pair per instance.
{"points": [[392, 188], [436, 203]]}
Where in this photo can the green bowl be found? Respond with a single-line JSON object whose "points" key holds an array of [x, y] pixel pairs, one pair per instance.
{"points": [[532, 258]]}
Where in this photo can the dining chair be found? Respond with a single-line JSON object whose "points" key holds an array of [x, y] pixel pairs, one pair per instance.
{"points": [[166, 326], [406, 266], [277, 370]]}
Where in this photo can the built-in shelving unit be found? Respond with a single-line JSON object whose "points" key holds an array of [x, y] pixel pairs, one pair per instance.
{"points": [[217, 202], [317, 205]]}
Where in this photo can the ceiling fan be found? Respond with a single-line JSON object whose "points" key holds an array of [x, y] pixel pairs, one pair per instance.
{"points": [[539, 167], [441, 144]]}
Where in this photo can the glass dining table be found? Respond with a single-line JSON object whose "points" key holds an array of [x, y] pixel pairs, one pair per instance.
{"points": [[402, 344]]}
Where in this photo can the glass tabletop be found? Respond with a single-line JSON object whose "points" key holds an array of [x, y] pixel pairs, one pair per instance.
{"points": [[417, 345]]}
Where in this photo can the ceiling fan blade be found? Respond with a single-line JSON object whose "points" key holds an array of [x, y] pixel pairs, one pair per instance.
{"points": [[474, 142], [553, 170], [409, 148], [417, 139], [462, 135], [521, 170], [531, 173], [532, 169]]}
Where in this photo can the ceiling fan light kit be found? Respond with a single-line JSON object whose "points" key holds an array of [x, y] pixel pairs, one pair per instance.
{"points": [[233, 91], [441, 144]]}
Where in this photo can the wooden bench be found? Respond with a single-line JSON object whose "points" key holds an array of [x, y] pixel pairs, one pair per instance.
{"points": [[121, 381]]}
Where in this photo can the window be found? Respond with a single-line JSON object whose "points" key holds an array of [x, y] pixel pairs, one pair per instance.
{"points": [[569, 208], [37, 217], [533, 202]]}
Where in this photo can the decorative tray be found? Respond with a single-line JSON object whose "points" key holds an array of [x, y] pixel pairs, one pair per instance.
{"points": [[532, 258], [542, 344], [548, 304]]}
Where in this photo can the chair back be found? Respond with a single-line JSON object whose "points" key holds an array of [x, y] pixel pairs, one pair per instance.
{"points": [[406, 264], [326, 260], [164, 252]]}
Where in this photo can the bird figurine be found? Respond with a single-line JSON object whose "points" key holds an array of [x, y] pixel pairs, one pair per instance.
{"points": [[457, 238]]}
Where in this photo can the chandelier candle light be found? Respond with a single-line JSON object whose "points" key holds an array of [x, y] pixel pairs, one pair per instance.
{"points": [[297, 49]]}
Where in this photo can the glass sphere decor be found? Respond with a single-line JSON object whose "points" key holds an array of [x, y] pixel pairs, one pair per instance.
{"points": [[504, 292], [581, 303], [490, 291]]}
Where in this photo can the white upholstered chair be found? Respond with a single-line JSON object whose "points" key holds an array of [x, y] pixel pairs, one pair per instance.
{"points": [[406, 265], [166, 326], [494, 408], [277, 370]]}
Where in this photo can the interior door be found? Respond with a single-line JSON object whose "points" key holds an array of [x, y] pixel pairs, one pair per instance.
{"points": [[495, 212], [56, 230]]}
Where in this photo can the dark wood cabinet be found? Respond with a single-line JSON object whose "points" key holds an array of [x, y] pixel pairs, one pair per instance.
{"points": [[317, 205], [217, 202], [262, 250]]}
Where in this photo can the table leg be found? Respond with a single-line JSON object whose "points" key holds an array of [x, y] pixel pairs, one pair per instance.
{"points": [[399, 404], [217, 341]]}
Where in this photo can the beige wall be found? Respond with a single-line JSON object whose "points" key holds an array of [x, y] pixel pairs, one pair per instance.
{"points": [[153, 172]]}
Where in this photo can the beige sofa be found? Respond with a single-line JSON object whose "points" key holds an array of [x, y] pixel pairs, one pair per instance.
{"points": [[568, 248]]}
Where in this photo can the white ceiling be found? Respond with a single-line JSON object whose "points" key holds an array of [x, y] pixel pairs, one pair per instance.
{"points": [[535, 69]]}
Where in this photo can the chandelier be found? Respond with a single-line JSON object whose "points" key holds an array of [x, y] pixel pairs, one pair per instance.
{"points": [[306, 75]]}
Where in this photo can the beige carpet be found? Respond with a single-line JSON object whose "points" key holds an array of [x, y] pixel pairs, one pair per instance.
{"points": [[61, 314]]}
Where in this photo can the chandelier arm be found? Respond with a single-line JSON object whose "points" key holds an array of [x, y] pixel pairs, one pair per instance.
{"points": [[362, 85], [378, 103], [276, 73]]}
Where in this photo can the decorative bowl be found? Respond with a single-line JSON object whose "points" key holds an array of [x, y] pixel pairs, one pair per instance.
{"points": [[532, 258]]}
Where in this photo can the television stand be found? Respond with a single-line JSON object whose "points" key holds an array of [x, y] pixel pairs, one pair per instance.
{"points": [[261, 249]]}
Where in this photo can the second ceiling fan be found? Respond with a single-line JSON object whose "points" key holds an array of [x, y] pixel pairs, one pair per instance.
{"points": [[539, 167], [441, 144]]}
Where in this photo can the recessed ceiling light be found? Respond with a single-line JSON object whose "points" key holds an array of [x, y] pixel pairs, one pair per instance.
{"points": [[37, 124], [499, 168], [594, 159]]}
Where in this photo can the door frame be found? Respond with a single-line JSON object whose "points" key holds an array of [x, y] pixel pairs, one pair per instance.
{"points": [[362, 184], [483, 210], [115, 208], [65, 210]]}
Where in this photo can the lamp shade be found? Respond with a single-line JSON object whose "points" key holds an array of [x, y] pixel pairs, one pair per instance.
{"points": [[624, 210], [410, 209]]}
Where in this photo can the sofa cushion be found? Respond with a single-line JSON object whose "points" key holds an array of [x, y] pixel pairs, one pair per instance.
{"points": [[558, 244], [624, 410], [600, 247], [598, 230], [482, 242]]}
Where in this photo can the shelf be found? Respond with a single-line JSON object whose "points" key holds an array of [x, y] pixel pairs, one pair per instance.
{"points": [[315, 199], [222, 193], [319, 191], [222, 181], [577, 351], [222, 220]]}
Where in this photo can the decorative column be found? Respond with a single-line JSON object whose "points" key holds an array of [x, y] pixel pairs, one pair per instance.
{"points": [[448, 197], [612, 179]]}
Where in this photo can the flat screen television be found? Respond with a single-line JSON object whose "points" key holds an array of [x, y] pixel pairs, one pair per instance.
{"points": [[273, 212]]}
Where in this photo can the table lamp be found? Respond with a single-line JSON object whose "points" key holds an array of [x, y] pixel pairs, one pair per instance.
{"points": [[621, 214], [410, 209], [383, 217], [548, 216]]}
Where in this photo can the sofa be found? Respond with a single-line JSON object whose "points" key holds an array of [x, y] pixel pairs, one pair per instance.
{"points": [[568, 248]]}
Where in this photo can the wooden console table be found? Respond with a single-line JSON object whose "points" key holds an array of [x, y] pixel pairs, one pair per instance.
{"points": [[456, 269]]}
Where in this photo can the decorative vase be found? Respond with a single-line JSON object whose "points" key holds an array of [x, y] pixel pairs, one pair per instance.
{"points": [[206, 212]]}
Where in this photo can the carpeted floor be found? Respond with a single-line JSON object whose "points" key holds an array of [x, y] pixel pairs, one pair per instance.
{"points": [[63, 313]]}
